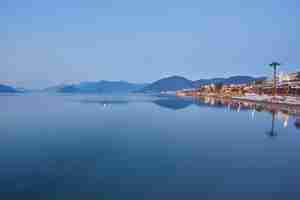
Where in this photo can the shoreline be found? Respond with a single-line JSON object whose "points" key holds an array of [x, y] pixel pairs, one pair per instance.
{"points": [[284, 101]]}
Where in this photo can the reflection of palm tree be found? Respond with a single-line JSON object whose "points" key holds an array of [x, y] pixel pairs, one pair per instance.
{"points": [[297, 123], [274, 65], [272, 132]]}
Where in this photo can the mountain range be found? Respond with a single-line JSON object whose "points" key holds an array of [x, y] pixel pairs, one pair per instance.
{"points": [[104, 87], [172, 83]]}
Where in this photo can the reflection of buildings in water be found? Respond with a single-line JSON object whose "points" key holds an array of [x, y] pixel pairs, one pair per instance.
{"points": [[239, 108], [206, 100], [281, 114], [212, 102], [105, 105], [285, 118], [284, 112], [253, 113]]}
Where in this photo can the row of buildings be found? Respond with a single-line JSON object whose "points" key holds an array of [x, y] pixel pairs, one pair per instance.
{"points": [[287, 85]]}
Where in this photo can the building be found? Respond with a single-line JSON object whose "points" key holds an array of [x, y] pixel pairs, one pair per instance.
{"points": [[287, 85]]}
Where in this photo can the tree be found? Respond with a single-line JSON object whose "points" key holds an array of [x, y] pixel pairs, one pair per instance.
{"points": [[274, 65]]}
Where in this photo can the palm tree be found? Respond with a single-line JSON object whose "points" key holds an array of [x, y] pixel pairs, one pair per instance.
{"points": [[274, 65]]}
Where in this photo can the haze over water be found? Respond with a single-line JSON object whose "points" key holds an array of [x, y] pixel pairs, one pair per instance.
{"points": [[143, 147]]}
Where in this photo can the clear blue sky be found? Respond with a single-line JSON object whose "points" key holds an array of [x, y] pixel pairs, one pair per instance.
{"points": [[46, 42]]}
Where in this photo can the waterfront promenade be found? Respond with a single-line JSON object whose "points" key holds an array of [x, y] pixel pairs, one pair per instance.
{"points": [[284, 100]]}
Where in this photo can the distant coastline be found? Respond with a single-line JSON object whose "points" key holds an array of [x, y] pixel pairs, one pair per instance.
{"points": [[164, 85]]}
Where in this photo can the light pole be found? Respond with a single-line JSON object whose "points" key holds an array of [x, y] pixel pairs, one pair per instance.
{"points": [[274, 65]]}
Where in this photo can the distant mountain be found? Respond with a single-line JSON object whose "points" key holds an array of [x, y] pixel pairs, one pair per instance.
{"points": [[55, 88], [172, 83], [175, 83], [98, 87], [7, 89], [69, 89]]}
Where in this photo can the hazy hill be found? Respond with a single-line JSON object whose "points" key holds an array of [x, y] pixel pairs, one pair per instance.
{"points": [[175, 83], [172, 83], [7, 89], [98, 87]]}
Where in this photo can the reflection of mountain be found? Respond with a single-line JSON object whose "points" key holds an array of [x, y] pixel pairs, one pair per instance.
{"points": [[179, 103], [173, 103], [7, 89]]}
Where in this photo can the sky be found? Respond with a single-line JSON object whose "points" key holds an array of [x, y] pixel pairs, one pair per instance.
{"points": [[58, 41]]}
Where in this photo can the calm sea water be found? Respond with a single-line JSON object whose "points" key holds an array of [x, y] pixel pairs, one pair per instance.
{"points": [[138, 147]]}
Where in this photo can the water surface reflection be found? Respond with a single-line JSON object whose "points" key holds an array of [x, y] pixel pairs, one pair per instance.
{"points": [[278, 112], [282, 112], [99, 147]]}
